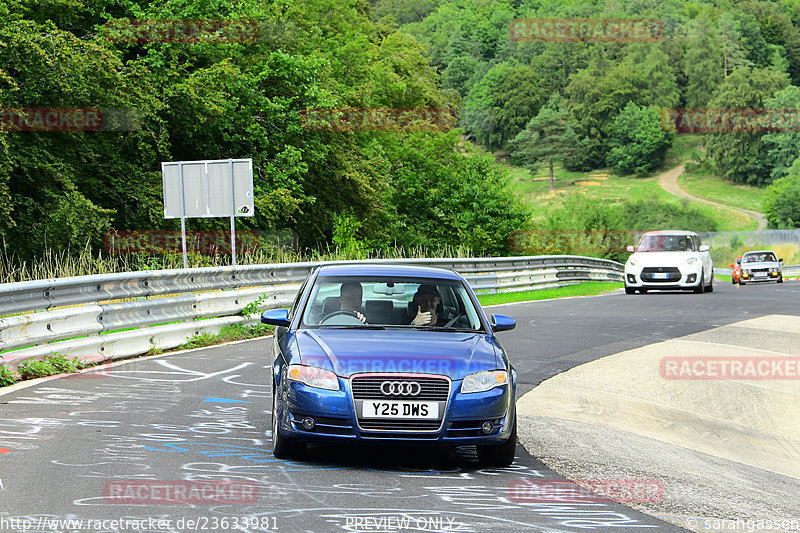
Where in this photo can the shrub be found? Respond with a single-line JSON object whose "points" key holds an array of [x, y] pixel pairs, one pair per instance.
{"points": [[36, 369], [7, 376]]}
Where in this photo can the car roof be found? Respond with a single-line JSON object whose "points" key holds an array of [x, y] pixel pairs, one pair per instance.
{"points": [[388, 269], [670, 232], [758, 252]]}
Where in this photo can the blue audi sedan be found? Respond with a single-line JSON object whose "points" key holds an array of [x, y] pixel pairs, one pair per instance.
{"points": [[397, 354]]}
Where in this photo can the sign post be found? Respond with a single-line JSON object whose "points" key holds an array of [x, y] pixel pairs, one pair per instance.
{"points": [[208, 189]]}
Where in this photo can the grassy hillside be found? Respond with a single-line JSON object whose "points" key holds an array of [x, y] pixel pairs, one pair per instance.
{"points": [[605, 186]]}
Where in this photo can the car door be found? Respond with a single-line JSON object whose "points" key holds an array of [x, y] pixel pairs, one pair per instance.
{"points": [[705, 258]]}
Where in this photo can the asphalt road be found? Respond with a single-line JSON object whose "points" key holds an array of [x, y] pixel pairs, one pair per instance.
{"points": [[104, 448]]}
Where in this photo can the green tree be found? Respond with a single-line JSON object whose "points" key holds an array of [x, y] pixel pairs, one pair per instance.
{"points": [[783, 148], [499, 106], [782, 203], [742, 156], [548, 137], [638, 140], [597, 94], [703, 62]]}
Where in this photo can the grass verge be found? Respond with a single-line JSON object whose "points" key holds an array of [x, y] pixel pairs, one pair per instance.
{"points": [[589, 288], [232, 332], [717, 189]]}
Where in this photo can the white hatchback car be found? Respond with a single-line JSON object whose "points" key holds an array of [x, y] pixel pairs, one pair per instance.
{"points": [[669, 260]]}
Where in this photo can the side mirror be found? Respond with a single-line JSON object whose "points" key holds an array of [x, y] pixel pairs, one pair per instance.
{"points": [[780, 260], [704, 247], [630, 249], [503, 323], [276, 317]]}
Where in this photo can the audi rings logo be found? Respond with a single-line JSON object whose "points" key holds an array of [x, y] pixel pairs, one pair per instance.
{"points": [[400, 388]]}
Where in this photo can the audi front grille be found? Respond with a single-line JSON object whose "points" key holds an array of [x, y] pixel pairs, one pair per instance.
{"points": [[406, 387], [431, 389]]}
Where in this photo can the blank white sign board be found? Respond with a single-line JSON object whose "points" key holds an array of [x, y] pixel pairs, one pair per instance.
{"points": [[207, 188]]}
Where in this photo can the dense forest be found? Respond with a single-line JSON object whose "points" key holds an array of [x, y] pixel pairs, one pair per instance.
{"points": [[214, 99]]}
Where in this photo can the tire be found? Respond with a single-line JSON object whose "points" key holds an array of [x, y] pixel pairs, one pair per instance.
{"points": [[701, 284], [780, 279], [733, 281], [710, 287], [742, 282], [282, 447], [499, 455], [630, 290]]}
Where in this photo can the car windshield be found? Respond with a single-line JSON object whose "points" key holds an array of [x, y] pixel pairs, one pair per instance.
{"points": [[766, 257], [381, 302], [667, 243]]}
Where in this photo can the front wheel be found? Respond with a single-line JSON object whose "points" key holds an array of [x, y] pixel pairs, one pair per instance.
{"points": [[630, 290], [780, 279], [499, 455], [282, 447], [701, 283], [710, 287]]}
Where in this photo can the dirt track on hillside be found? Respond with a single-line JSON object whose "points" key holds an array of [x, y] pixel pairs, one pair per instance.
{"points": [[669, 182]]}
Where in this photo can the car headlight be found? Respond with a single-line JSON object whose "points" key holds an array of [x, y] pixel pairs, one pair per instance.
{"points": [[691, 261], [314, 377], [483, 381], [632, 262]]}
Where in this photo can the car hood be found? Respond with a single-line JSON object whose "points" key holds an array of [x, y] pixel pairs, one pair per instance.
{"points": [[352, 351], [652, 259]]}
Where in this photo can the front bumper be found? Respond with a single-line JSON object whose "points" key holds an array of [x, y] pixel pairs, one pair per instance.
{"points": [[335, 418], [753, 277], [663, 277]]}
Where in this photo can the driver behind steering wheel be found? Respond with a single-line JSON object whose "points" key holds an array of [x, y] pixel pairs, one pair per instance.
{"points": [[350, 295]]}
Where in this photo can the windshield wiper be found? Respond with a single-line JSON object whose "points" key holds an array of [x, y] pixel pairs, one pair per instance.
{"points": [[348, 326], [444, 328]]}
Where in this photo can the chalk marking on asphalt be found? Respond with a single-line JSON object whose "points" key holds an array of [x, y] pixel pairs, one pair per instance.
{"points": [[31, 382]]}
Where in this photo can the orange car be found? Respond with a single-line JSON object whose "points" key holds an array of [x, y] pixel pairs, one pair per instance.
{"points": [[736, 270]]}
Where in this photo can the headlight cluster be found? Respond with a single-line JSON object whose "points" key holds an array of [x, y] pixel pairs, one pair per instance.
{"points": [[484, 381], [314, 377], [691, 261], [632, 262]]}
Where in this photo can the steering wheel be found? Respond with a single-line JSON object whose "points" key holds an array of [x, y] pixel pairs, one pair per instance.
{"points": [[344, 318]]}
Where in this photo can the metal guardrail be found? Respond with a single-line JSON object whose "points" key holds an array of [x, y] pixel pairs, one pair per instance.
{"points": [[113, 316]]}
